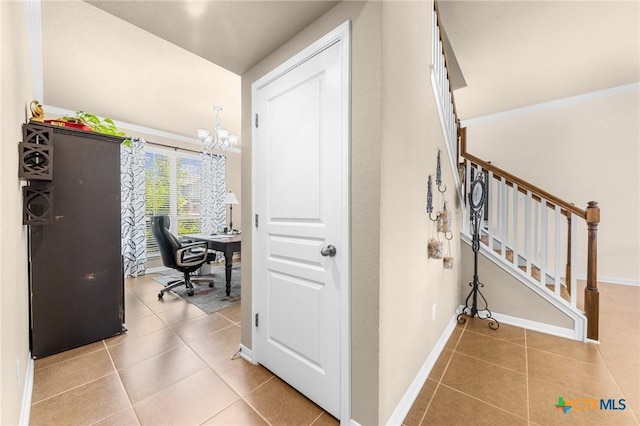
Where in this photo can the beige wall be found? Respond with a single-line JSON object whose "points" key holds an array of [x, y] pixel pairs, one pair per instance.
{"points": [[135, 77], [129, 74], [365, 189], [410, 283], [583, 150], [16, 91], [394, 147], [507, 295]]}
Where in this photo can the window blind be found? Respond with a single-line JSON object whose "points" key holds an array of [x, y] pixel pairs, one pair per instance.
{"points": [[173, 187]]}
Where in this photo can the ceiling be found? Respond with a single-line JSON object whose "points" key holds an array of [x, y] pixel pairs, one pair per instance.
{"points": [[161, 65], [518, 53], [510, 53], [232, 34]]}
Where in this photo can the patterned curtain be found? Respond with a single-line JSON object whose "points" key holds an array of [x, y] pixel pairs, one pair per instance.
{"points": [[132, 176], [214, 183]]}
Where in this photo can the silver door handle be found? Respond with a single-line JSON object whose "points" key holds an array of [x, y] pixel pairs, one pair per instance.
{"points": [[329, 250]]}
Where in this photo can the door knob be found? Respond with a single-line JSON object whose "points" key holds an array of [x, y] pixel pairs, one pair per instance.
{"points": [[329, 250]]}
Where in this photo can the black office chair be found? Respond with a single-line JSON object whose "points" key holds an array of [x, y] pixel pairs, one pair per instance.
{"points": [[182, 256]]}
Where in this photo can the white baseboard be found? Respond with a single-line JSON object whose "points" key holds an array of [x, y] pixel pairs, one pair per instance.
{"points": [[25, 411], [246, 354], [409, 397], [612, 280], [567, 333]]}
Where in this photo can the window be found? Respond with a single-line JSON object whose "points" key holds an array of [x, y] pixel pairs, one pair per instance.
{"points": [[173, 187]]}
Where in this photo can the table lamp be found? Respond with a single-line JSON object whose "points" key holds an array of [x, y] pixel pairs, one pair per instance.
{"points": [[230, 199]]}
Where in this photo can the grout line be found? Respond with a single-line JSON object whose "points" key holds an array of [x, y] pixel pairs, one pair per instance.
{"points": [[484, 402], [225, 407], [316, 419], [568, 358], [497, 338], [491, 363], [70, 389], [251, 405], [68, 359], [424, 415], [123, 388], [257, 412], [613, 377]]}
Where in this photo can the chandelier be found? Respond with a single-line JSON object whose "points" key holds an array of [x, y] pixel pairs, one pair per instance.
{"points": [[221, 138]]}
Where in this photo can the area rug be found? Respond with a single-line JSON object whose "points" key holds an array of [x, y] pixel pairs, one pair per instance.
{"points": [[209, 299]]}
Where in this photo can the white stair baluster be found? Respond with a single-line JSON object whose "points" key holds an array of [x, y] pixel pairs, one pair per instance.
{"points": [[527, 231], [556, 255], [574, 259], [515, 214], [544, 231], [489, 206]]}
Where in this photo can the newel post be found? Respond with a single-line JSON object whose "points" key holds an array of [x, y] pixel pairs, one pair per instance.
{"points": [[591, 295]]}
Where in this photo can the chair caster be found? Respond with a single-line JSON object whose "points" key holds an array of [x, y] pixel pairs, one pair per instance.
{"points": [[210, 285], [160, 295], [190, 292]]}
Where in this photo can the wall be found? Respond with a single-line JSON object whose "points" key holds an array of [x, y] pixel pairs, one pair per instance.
{"points": [[365, 189], [507, 295], [135, 77], [129, 74], [580, 149], [16, 92], [395, 137], [410, 283]]}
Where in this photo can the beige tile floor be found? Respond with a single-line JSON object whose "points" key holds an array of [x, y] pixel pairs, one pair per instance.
{"points": [[174, 367], [513, 376]]}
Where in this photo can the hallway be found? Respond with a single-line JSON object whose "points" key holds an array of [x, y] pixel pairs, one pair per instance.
{"points": [[513, 376], [174, 367]]}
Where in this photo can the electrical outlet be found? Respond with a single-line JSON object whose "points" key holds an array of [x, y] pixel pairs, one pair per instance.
{"points": [[434, 310]]}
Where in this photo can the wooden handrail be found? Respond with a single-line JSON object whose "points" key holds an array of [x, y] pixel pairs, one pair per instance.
{"points": [[523, 186]]}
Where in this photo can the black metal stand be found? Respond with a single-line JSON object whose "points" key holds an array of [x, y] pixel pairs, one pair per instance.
{"points": [[472, 310]]}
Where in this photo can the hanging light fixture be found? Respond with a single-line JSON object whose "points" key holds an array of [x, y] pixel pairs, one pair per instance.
{"points": [[221, 138]]}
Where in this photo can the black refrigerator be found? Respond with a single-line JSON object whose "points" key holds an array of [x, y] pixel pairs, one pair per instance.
{"points": [[75, 265]]}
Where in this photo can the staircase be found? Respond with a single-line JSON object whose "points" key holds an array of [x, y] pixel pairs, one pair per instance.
{"points": [[527, 231]]}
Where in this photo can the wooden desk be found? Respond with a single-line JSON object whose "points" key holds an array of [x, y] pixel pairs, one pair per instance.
{"points": [[228, 244]]}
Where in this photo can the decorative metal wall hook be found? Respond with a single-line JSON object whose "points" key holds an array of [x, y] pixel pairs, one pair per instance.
{"points": [[430, 199], [439, 174], [446, 235]]}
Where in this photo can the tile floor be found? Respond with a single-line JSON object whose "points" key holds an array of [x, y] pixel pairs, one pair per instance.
{"points": [[513, 376], [174, 367]]}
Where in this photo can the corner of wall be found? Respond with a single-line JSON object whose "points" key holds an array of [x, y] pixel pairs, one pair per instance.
{"points": [[418, 295], [17, 91]]}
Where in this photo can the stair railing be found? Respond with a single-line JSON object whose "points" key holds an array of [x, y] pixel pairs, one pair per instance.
{"points": [[520, 233], [537, 233], [440, 82]]}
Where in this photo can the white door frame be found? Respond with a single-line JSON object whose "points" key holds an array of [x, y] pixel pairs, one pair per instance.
{"points": [[341, 34]]}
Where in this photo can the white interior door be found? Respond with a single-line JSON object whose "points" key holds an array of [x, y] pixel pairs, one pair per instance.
{"points": [[301, 199]]}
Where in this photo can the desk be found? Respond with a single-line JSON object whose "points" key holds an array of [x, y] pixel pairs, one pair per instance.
{"points": [[228, 244]]}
